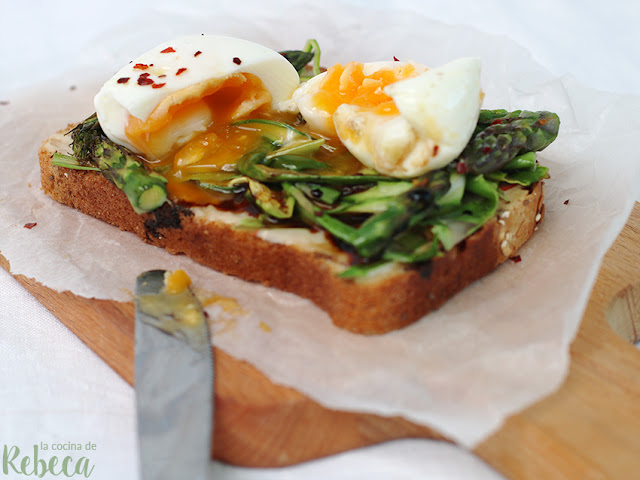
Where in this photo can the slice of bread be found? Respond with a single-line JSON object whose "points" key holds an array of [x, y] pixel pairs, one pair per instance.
{"points": [[297, 260]]}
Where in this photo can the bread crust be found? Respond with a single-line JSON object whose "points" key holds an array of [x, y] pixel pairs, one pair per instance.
{"points": [[370, 307]]}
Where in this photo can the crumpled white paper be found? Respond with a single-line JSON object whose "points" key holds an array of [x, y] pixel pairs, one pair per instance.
{"points": [[492, 350]]}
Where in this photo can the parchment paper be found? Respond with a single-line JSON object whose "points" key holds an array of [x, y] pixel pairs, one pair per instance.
{"points": [[498, 346]]}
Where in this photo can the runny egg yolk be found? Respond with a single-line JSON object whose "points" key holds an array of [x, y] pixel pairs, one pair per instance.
{"points": [[194, 110], [189, 133], [208, 154], [348, 84]]}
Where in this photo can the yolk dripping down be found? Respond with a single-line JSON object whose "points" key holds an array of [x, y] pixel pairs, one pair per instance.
{"points": [[189, 133], [194, 110]]}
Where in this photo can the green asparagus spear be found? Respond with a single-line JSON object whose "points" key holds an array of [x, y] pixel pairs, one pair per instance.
{"points": [[253, 166], [67, 161], [274, 203], [320, 193], [507, 137], [378, 231], [145, 190], [487, 117]]}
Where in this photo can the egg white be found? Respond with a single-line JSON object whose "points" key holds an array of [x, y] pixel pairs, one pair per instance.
{"points": [[219, 58], [442, 105], [438, 108], [321, 121]]}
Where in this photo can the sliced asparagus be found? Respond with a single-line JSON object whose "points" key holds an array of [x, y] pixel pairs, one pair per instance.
{"points": [[145, 190], [385, 219]]}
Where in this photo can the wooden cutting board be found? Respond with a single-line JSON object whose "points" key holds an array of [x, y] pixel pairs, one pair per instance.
{"points": [[588, 429]]}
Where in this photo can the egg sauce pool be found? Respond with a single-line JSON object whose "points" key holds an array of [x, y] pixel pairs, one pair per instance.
{"points": [[214, 150]]}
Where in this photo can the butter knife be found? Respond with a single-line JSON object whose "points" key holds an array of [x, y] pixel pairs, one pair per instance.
{"points": [[173, 381]]}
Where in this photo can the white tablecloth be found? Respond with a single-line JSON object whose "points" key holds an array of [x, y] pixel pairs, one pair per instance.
{"points": [[55, 391]]}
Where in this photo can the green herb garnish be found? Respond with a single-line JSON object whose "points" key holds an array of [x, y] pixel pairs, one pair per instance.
{"points": [[301, 58]]}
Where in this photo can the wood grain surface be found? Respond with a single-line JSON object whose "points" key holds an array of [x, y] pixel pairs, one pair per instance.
{"points": [[588, 429]]}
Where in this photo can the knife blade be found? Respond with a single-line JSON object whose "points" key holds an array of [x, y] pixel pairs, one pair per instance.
{"points": [[173, 381]]}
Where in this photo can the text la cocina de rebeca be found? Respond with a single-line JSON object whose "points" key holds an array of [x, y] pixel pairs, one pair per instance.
{"points": [[16, 461]]}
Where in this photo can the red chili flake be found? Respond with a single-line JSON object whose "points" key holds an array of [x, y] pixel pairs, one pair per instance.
{"points": [[158, 85], [542, 121], [161, 76], [435, 150], [197, 53], [168, 50], [30, 225], [237, 61], [486, 150], [181, 70], [461, 167], [566, 202], [516, 259], [395, 59], [144, 79], [123, 79], [497, 121], [140, 66], [506, 186]]}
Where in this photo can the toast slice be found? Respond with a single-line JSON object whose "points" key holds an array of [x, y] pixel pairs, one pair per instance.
{"points": [[298, 260]]}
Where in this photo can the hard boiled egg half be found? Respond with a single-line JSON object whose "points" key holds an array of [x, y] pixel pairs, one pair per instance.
{"points": [[399, 118], [160, 101]]}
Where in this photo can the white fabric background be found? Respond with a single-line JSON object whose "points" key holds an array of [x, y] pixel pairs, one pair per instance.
{"points": [[56, 390]]}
